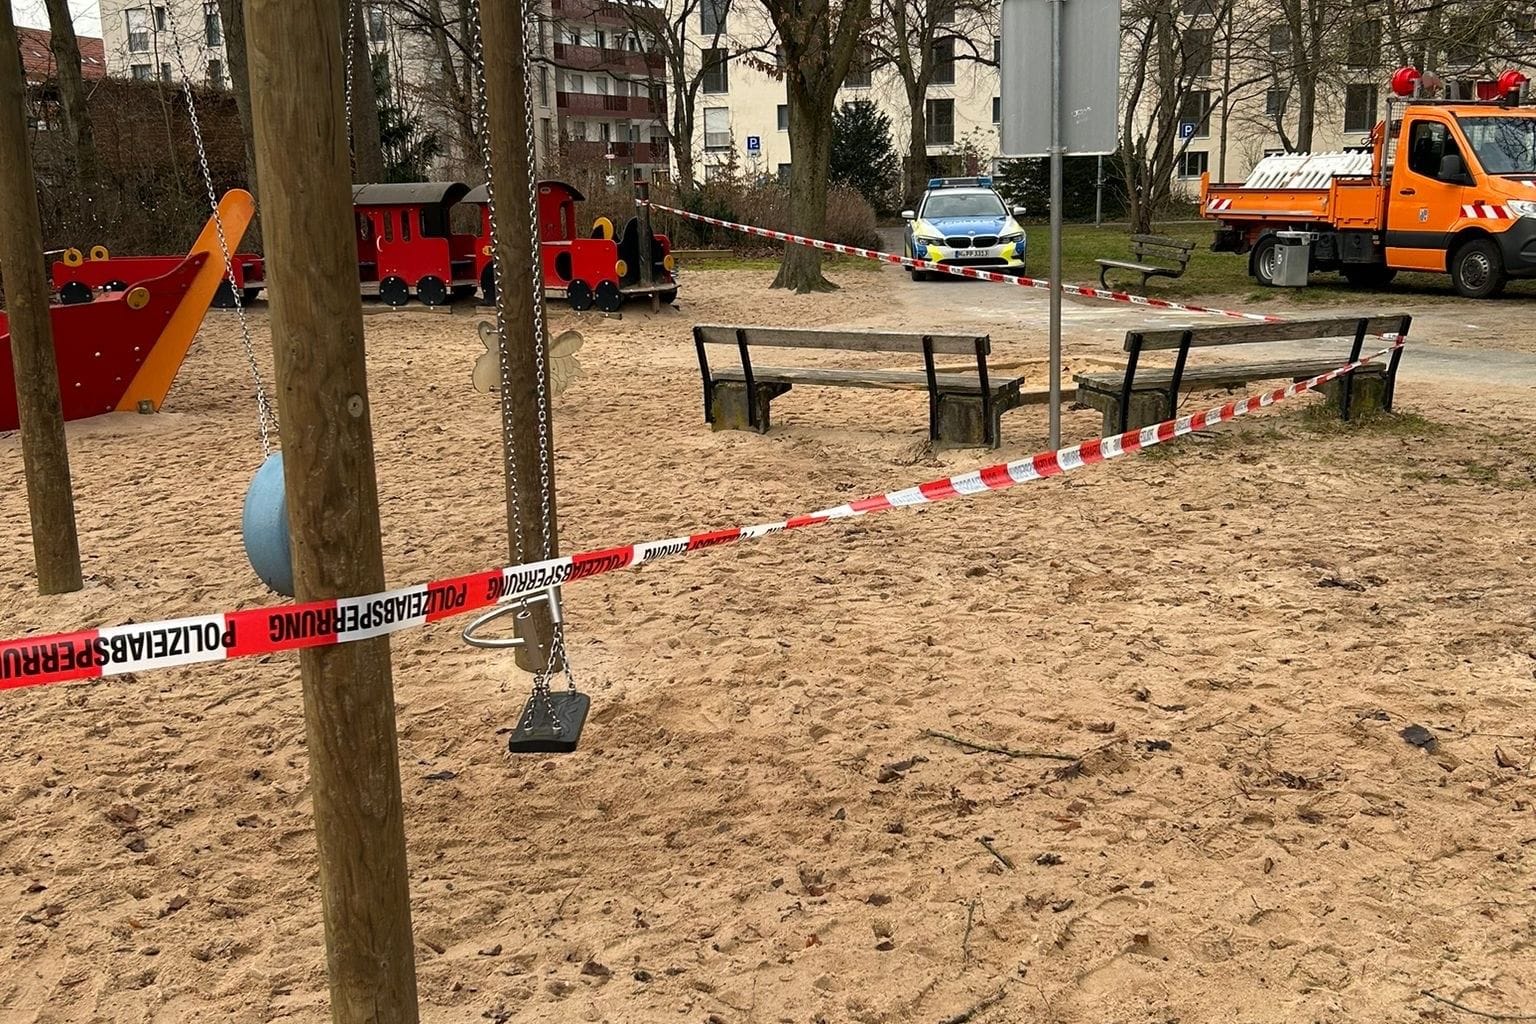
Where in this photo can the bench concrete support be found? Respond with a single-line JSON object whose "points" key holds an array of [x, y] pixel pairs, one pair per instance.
{"points": [[729, 409], [962, 420], [1146, 408], [1368, 397]]}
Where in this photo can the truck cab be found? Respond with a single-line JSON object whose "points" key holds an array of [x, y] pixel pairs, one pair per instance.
{"points": [[1462, 195]]}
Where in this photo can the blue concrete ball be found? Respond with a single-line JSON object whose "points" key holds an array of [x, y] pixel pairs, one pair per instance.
{"points": [[265, 526]]}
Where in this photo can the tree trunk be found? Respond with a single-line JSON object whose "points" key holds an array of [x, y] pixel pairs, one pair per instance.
{"points": [[1306, 112], [367, 151], [810, 140], [66, 62], [232, 14], [683, 107], [915, 174]]}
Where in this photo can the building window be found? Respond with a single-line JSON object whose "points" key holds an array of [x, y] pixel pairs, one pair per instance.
{"points": [[944, 62], [577, 83], [1359, 108], [604, 131], [943, 12], [1364, 49], [579, 131], [784, 173], [941, 122], [377, 29], [1197, 51], [216, 74], [1199, 8], [997, 51], [1193, 163], [1195, 106], [543, 86], [1280, 39], [549, 133], [783, 117], [997, 110], [717, 77], [160, 20], [213, 28], [601, 83], [860, 75], [165, 73], [717, 127], [1274, 102], [600, 39], [140, 72], [137, 20], [1525, 26], [712, 16]]}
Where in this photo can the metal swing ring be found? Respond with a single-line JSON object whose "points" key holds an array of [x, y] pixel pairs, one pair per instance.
{"points": [[518, 607]]}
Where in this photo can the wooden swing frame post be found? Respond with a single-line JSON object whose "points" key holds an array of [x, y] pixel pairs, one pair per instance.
{"points": [[502, 35], [44, 450], [298, 121]]}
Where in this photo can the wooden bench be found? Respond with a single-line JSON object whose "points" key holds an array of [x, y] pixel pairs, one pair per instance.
{"points": [[1150, 247], [964, 409], [1141, 397]]}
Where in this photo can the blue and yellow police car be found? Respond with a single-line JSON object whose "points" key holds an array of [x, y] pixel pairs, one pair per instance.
{"points": [[964, 222]]}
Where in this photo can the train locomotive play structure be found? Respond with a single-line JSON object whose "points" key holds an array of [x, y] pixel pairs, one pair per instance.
{"points": [[407, 248]]}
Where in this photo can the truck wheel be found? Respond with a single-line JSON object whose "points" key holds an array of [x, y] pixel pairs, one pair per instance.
{"points": [[1265, 260], [1368, 275], [1477, 269]]}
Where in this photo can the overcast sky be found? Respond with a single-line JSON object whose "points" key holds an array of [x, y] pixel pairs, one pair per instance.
{"points": [[33, 13]]}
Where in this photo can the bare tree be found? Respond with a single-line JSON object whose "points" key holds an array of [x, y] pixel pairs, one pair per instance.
{"points": [[232, 14], [817, 39], [71, 83], [692, 38], [367, 151], [922, 41], [447, 28], [1168, 59]]}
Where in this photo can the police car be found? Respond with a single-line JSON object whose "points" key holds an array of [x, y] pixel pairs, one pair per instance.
{"points": [[964, 222]]}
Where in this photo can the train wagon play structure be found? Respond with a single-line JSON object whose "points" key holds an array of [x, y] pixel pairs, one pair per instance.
{"points": [[407, 248], [119, 348]]}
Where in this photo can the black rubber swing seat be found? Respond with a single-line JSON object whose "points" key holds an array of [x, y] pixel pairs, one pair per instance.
{"points": [[538, 732]]}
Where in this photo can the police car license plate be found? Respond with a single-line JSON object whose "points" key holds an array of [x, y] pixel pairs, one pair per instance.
{"points": [[963, 253]]}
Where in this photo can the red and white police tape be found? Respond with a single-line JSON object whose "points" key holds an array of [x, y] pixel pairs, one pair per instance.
{"points": [[1086, 291], [139, 647]]}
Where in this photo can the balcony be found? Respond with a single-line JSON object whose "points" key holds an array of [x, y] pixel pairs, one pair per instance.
{"points": [[588, 104], [603, 12], [623, 152], [592, 58]]}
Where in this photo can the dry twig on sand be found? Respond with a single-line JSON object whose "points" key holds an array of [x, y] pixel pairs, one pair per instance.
{"points": [[985, 1004], [1052, 755], [1453, 1004]]}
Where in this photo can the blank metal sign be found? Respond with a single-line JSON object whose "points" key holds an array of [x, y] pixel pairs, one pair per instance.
{"points": [[1090, 77]]}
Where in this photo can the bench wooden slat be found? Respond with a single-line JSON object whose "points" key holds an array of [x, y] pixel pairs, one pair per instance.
{"points": [[1245, 334], [1223, 374], [1125, 265], [900, 380], [1164, 241], [851, 341]]}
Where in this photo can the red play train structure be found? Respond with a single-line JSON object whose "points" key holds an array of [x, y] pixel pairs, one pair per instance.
{"points": [[406, 246]]}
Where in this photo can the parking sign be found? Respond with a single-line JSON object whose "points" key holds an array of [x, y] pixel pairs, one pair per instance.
{"points": [[754, 143]]}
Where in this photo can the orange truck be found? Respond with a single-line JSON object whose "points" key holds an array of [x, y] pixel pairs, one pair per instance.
{"points": [[1447, 186]]}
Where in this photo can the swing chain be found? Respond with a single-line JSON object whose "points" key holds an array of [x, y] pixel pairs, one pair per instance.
{"points": [[346, 45], [266, 416], [519, 553], [541, 335]]}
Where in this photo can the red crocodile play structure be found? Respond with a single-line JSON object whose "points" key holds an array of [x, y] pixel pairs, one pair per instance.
{"points": [[120, 351]]}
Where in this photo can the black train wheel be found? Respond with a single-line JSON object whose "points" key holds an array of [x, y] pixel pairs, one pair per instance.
{"points": [[394, 291], [609, 298], [579, 295]]}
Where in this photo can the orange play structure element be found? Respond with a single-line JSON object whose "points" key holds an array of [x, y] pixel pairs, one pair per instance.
{"points": [[121, 351]]}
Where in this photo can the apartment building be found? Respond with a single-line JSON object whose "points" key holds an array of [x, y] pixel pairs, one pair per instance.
{"points": [[609, 96], [153, 41], [742, 120]]}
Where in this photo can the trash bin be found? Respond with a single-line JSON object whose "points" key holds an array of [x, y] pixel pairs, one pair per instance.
{"points": [[1293, 257]]}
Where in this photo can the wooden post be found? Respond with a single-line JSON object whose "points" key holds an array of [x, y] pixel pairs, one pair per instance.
{"points": [[501, 31], [44, 453], [294, 49]]}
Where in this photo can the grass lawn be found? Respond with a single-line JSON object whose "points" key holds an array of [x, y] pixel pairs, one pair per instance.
{"points": [[1209, 273]]}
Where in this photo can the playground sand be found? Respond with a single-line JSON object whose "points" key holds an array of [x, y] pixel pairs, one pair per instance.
{"points": [[1231, 636]]}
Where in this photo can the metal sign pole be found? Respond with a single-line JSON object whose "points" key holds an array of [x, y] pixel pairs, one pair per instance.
{"points": [[1056, 151]]}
